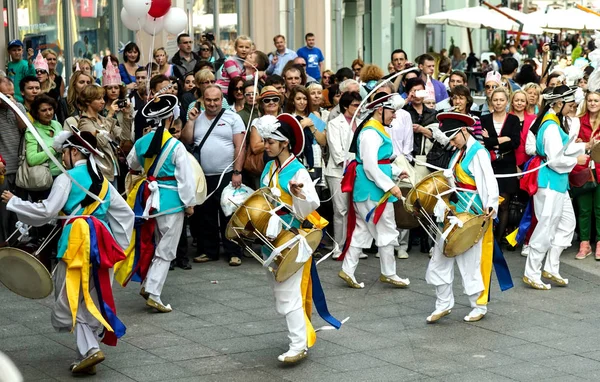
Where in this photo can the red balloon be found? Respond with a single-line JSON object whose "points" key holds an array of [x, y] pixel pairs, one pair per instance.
{"points": [[159, 8]]}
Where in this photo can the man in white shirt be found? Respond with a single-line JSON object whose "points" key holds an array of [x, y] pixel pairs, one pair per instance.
{"points": [[281, 56], [221, 152]]}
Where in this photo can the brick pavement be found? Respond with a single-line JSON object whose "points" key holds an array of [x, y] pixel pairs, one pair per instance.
{"points": [[230, 331]]}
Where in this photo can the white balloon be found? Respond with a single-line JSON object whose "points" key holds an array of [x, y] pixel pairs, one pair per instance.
{"points": [[130, 22], [137, 8], [176, 20], [154, 25]]}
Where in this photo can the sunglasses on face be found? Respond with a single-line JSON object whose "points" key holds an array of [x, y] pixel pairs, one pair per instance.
{"points": [[488, 87], [238, 89], [270, 100], [326, 77], [249, 94], [173, 130], [40, 71], [204, 49]]}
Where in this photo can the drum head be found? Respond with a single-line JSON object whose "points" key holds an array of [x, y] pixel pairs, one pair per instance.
{"points": [[595, 153], [462, 239], [426, 191], [24, 274], [288, 266], [404, 219], [256, 210]]}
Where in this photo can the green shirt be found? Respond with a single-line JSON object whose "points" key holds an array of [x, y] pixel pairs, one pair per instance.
{"points": [[34, 154], [16, 71]]}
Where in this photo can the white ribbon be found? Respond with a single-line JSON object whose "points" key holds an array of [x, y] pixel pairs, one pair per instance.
{"points": [[454, 221], [440, 209], [154, 198], [304, 250], [274, 226]]}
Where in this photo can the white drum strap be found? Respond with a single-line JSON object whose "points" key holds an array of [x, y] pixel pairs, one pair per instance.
{"points": [[454, 221]]}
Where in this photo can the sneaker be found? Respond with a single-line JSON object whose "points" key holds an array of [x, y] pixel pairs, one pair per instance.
{"points": [[363, 256], [402, 254], [525, 250], [235, 261]]}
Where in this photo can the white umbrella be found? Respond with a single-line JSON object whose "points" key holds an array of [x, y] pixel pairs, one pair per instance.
{"points": [[571, 19], [476, 18]]}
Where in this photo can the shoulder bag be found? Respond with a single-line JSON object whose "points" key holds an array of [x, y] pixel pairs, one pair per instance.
{"points": [[196, 149], [32, 178]]}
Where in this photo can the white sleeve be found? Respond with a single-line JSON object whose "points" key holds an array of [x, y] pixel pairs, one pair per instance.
{"points": [[120, 218], [132, 160], [370, 141], [186, 186], [335, 141], [409, 138], [530, 144], [304, 207], [553, 147], [38, 214], [485, 181]]}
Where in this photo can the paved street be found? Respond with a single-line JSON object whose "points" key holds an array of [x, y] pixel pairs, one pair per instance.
{"points": [[229, 331]]}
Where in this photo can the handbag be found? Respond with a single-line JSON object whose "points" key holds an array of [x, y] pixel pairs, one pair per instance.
{"points": [[253, 163], [32, 178], [422, 171]]}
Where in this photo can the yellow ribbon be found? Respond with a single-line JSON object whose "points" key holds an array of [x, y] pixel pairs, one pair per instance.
{"points": [[306, 290]]}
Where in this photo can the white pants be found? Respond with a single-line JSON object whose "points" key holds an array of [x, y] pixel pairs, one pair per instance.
{"points": [[387, 260], [168, 231], [384, 233], [340, 209], [552, 234], [86, 339], [288, 302], [440, 273], [403, 239]]}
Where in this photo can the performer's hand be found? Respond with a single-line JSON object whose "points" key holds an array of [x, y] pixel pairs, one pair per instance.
{"points": [[296, 189], [546, 48], [189, 211], [236, 180], [582, 159], [490, 214], [403, 175], [6, 196], [396, 192]]}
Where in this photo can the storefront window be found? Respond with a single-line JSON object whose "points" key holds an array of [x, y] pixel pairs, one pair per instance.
{"points": [[203, 23], [91, 30]]}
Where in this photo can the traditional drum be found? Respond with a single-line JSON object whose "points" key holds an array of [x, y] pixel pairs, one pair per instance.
{"points": [[424, 195], [249, 223], [404, 219], [595, 153], [286, 264], [460, 239], [23, 274]]}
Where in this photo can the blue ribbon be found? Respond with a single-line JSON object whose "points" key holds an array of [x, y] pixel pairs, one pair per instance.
{"points": [[525, 223], [501, 268], [318, 297]]}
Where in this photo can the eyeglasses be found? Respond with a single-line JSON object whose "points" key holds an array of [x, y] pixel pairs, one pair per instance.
{"points": [[270, 100], [40, 71], [204, 49], [239, 89], [208, 82], [249, 94], [488, 87]]}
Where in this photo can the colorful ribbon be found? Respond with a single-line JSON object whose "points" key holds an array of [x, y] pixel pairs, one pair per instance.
{"points": [[318, 296]]}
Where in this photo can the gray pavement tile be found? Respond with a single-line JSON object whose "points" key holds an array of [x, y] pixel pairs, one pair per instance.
{"points": [[158, 340], [324, 348], [208, 334], [211, 365], [575, 345], [384, 373], [570, 378], [131, 358], [266, 313], [183, 352], [182, 323], [249, 303], [103, 374], [16, 343], [229, 318], [205, 309], [243, 344], [357, 339], [135, 329], [483, 359], [536, 333], [527, 371], [158, 372], [476, 376], [352, 361], [532, 351], [14, 330], [235, 376], [261, 327], [226, 295], [571, 364], [31, 373]]}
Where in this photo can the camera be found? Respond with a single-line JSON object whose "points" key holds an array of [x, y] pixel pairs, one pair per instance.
{"points": [[210, 36], [121, 103], [421, 93]]}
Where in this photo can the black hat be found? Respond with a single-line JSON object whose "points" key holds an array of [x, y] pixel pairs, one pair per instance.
{"points": [[160, 107]]}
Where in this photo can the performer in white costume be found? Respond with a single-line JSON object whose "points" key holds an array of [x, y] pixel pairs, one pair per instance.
{"points": [[369, 180], [552, 204], [470, 169]]}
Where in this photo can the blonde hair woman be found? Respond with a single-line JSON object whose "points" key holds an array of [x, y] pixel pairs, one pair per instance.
{"points": [[52, 59], [518, 106], [162, 60], [533, 92]]}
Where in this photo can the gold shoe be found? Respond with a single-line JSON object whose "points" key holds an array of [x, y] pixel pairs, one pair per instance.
{"points": [[474, 318], [436, 317], [160, 307], [293, 359], [351, 283], [87, 365], [144, 294], [399, 284], [534, 285], [558, 280]]}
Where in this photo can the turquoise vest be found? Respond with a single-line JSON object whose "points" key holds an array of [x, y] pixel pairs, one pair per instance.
{"points": [[463, 175], [169, 198], [76, 196], [548, 178], [284, 177], [364, 188]]}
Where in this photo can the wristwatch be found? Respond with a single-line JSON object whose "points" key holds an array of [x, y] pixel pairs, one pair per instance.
{"points": [[237, 172]]}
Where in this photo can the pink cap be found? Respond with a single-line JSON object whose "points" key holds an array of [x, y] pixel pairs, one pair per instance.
{"points": [[493, 76], [111, 75], [40, 63]]}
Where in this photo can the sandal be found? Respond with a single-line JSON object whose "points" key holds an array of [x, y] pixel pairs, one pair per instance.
{"points": [[202, 259], [235, 261]]}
